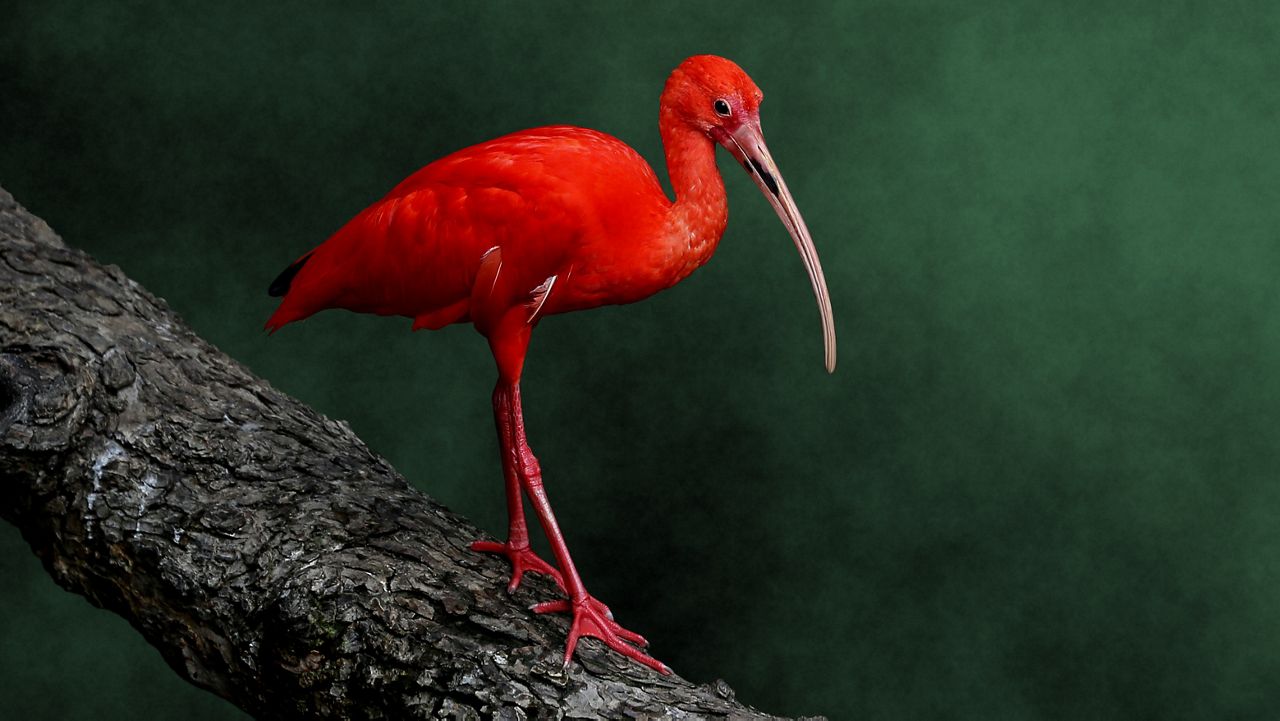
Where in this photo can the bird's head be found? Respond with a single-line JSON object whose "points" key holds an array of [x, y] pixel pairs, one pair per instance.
{"points": [[716, 97]]}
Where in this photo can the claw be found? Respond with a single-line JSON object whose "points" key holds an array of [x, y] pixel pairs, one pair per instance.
{"points": [[523, 560], [562, 606], [590, 619], [590, 616]]}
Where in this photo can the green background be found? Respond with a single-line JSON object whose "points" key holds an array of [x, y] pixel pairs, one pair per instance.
{"points": [[1042, 483]]}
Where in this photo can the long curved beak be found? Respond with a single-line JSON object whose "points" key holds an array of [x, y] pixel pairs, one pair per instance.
{"points": [[746, 144]]}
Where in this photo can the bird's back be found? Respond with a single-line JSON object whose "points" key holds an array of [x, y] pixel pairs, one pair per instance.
{"points": [[544, 197]]}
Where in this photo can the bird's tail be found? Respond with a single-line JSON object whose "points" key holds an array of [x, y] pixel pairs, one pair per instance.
{"points": [[291, 308]]}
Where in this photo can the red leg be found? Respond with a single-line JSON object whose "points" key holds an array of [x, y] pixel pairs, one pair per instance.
{"points": [[590, 617], [516, 549], [508, 333]]}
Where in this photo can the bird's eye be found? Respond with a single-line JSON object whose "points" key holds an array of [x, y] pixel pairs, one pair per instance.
{"points": [[722, 108]]}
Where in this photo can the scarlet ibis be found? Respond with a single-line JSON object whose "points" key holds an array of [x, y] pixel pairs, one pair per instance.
{"points": [[546, 221]]}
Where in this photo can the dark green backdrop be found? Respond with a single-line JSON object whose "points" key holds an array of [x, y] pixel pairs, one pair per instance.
{"points": [[1042, 483]]}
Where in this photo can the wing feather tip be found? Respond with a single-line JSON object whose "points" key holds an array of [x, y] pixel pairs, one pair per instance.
{"points": [[280, 286]]}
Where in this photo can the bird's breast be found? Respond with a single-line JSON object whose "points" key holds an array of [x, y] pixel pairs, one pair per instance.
{"points": [[651, 255]]}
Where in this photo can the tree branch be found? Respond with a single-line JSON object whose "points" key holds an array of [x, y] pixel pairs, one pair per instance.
{"points": [[261, 547]]}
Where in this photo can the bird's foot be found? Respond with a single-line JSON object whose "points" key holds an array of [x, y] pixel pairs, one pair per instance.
{"points": [[523, 560], [593, 618]]}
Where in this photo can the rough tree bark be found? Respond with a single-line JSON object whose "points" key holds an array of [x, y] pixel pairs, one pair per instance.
{"points": [[261, 547]]}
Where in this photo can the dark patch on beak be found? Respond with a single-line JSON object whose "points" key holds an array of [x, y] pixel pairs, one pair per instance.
{"points": [[769, 182]]}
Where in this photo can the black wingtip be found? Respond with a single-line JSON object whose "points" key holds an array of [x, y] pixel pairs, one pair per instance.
{"points": [[281, 284]]}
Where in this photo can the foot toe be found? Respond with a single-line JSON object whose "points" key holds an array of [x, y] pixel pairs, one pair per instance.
{"points": [[523, 560], [590, 619]]}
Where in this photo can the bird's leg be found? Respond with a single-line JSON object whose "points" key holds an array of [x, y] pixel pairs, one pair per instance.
{"points": [[590, 617], [516, 549]]}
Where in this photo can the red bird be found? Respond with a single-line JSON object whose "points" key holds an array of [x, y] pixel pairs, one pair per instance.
{"points": [[545, 221]]}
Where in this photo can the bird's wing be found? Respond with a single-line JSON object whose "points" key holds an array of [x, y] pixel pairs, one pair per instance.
{"points": [[420, 255], [539, 195]]}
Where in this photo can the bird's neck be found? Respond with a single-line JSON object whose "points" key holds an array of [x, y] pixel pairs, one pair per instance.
{"points": [[697, 218]]}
